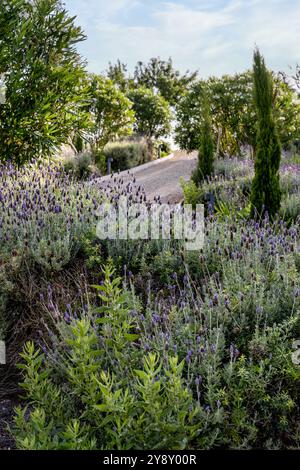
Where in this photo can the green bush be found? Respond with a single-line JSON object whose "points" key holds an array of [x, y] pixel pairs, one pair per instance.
{"points": [[165, 148], [191, 192], [81, 166], [196, 375], [43, 76], [104, 408], [219, 194], [126, 154]]}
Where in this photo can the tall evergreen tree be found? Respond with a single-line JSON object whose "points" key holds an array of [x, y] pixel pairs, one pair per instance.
{"points": [[205, 165], [266, 194]]}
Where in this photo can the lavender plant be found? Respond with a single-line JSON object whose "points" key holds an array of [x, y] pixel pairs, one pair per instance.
{"points": [[219, 349], [210, 331]]}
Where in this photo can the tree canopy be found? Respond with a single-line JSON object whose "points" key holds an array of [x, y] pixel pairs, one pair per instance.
{"points": [[110, 111], [152, 112], [161, 76], [233, 113], [43, 77]]}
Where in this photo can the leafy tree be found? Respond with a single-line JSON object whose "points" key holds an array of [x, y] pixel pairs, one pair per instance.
{"points": [[233, 113], [232, 119], [286, 107], [117, 73], [266, 193], [43, 78], [292, 80], [189, 117], [206, 151], [111, 112], [160, 76], [152, 112]]}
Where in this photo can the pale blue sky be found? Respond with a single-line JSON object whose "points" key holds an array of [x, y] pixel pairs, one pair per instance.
{"points": [[212, 36]]}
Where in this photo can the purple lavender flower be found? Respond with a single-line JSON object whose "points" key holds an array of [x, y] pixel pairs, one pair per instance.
{"points": [[67, 317], [198, 380], [155, 318]]}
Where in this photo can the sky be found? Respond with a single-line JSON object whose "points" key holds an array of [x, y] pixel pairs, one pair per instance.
{"points": [[215, 37]]}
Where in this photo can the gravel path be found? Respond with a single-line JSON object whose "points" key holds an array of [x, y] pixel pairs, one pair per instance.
{"points": [[163, 178]]}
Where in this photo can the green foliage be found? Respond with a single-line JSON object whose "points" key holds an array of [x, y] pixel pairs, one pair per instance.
{"points": [[125, 409], [126, 154], [78, 143], [286, 109], [111, 112], [43, 77], [117, 74], [266, 192], [228, 191], [191, 192], [233, 113], [190, 118], [226, 197], [98, 388], [164, 149], [161, 77], [206, 151], [152, 112], [100, 161], [81, 166], [290, 206]]}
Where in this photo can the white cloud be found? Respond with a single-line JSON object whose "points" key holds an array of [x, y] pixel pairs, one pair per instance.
{"points": [[113, 8], [276, 29], [178, 19], [176, 31], [214, 37]]}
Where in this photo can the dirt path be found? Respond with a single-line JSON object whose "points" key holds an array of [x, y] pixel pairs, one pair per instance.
{"points": [[163, 177]]}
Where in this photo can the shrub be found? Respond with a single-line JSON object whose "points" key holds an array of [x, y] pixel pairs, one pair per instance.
{"points": [[219, 194], [126, 154], [45, 96], [186, 370], [118, 411], [165, 148], [81, 166], [191, 192], [290, 207]]}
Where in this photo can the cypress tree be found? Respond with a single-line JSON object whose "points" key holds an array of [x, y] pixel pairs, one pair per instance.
{"points": [[266, 194], [205, 166]]}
